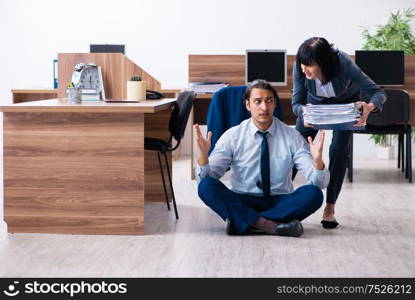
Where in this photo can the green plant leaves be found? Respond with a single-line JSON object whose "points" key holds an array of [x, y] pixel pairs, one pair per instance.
{"points": [[396, 34]]}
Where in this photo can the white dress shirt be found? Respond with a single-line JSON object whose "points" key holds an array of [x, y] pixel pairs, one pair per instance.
{"points": [[240, 149]]}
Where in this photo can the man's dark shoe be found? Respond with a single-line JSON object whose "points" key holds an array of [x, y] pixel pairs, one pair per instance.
{"points": [[230, 230], [293, 228]]}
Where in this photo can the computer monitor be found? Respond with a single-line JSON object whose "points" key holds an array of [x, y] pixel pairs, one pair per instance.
{"points": [[267, 64], [95, 48], [384, 67]]}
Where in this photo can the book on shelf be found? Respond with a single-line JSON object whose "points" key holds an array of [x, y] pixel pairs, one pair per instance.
{"points": [[85, 91], [88, 95]]}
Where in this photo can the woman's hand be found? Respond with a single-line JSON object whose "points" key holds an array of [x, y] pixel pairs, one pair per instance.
{"points": [[203, 145], [316, 149], [366, 109]]}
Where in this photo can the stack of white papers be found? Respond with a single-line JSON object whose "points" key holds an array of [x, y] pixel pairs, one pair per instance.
{"points": [[330, 116], [206, 87]]}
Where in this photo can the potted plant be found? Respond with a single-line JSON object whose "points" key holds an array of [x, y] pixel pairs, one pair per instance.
{"points": [[136, 88], [396, 34]]}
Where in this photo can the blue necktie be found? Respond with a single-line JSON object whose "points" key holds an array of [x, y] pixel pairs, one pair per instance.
{"points": [[265, 174]]}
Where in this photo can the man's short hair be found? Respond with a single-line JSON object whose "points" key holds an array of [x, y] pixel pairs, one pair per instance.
{"points": [[259, 84]]}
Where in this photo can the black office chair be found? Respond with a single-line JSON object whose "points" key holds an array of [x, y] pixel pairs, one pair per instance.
{"points": [[177, 124], [393, 119]]}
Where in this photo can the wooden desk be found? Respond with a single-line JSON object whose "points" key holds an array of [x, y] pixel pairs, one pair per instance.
{"points": [[20, 96], [81, 169]]}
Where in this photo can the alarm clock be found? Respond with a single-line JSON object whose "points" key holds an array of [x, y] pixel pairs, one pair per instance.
{"points": [[87, 77]]}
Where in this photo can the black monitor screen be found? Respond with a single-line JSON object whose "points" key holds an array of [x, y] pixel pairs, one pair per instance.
{"points": [[266, 64], [384, 67], [107, 48]]}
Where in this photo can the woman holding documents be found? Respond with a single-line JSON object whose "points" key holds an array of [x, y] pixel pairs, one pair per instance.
{"points": [[325, 75]]}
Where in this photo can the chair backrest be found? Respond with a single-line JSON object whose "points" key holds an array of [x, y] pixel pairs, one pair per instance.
{"points": [[395, 110], [227, 109], [180, 114]]}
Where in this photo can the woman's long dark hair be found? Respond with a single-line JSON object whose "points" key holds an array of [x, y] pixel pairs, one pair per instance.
{"points": [[317, 50]]}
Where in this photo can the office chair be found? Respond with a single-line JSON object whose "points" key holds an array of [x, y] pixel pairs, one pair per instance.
{"points": [[177, 124], [393, 119], [227, 109]]}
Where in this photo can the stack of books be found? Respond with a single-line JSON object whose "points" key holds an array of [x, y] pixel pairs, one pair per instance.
{"points": [[333, 116], [88, 95], [206, 87]]}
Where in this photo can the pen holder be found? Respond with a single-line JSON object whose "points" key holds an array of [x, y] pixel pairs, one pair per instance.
{"points": [[74, 96]]}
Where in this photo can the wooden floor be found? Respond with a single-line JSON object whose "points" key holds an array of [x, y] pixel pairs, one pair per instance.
{"points": [[376, 239]]}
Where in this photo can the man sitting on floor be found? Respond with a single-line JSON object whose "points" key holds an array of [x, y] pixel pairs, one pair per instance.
{"points": [[261, 153]]}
